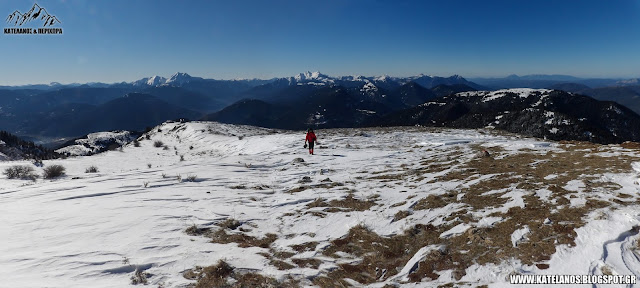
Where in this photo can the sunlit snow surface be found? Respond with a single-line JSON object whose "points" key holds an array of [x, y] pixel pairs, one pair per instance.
{"points": [[79, 232], [493, 95]]}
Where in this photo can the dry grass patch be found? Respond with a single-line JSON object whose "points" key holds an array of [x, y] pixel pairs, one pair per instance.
{"points": [[316, 213], [352, 204], [549, 224], [281, 265], [381, 256], [276, 258], [434, 201], [224, 275], [194, 230], [401, 215], [243, 240], [210, 276], [347, 204], [230, 223], [308, 246], [327, 184], [307, 262], [630, 145], [220, 236], [280, 254]]}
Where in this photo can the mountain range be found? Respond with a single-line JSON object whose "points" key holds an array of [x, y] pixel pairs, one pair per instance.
{"points": [[545, 81], [543, 113], [309, 99]]}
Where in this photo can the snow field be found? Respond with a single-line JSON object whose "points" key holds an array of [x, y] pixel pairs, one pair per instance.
{"points": [[95, 229]]}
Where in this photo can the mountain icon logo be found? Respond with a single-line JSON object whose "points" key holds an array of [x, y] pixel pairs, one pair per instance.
{"points": [[36, 12]]}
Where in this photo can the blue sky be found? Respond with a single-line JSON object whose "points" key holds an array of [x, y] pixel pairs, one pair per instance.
{"points": [[124, 40]]}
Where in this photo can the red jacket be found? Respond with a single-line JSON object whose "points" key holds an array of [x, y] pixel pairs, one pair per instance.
{"points": [[311, 137]]}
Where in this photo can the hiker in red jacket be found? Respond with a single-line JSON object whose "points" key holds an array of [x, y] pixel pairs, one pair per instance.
{"points": [[311, 138]]}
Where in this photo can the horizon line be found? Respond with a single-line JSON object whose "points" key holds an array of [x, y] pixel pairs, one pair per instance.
{"points": [[346, 75]]}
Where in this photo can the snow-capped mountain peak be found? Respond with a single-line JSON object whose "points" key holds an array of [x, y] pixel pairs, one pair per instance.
{"points": [[179, 78], [150, 81], [156, 80], [308, 76], [383, 78], [359, 78]]}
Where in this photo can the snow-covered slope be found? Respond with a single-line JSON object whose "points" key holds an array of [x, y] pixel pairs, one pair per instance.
{"points": [[97, 142], [493, 95], [429, 190]]}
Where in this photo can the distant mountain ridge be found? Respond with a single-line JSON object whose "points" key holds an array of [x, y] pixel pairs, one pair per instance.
{"points": [[543, 113], [538, 81], [385, 81], [308, 99], [134, 111]]}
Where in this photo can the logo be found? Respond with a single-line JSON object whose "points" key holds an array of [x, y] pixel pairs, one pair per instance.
{"points": [[36, 14]]}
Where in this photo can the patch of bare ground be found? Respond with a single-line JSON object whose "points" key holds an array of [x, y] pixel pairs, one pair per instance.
{"points": [[434, 201], [230, 223], [224, 275], [381, 256], [276, 258], [630, 145], [348, 203], [307, 262], [401, 215], [307, 246], [281, 265], [551, 221], [194, 230], [221, 236]]}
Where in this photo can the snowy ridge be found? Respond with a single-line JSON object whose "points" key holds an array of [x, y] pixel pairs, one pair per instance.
{"points": [[309, 78], [156, 80], [97, 142], [493, 95], [180, 79], [95, 229], [177, 79]]}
